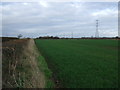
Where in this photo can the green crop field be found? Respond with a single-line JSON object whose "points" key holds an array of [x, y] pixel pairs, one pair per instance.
{"points": [[82, 63]]}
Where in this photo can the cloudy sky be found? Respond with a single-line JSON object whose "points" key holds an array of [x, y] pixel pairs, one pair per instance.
{"points": [[59, 19]]}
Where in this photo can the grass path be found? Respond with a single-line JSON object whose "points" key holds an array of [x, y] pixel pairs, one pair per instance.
{"points": [[37, 78]]}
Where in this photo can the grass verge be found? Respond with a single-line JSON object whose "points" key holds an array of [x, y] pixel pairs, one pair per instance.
{"points": [[44, 68]]}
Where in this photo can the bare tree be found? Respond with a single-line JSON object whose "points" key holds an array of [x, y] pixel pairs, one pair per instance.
{"points": [[20, 35]]}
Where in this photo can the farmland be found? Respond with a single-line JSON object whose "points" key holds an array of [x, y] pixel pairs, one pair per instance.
{"points": [[82, 63]]}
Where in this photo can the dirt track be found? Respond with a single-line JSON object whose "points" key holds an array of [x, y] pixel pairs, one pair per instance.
{"points": [[37, 79]]}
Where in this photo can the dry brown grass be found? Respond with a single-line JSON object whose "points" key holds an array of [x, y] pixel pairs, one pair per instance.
{"points": [[19, 65]]}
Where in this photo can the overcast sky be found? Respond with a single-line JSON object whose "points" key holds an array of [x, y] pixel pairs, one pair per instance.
{"points": [[59, 19]]}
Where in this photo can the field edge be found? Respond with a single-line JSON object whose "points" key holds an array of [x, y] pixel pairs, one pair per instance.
{"points": [[44, 68]]}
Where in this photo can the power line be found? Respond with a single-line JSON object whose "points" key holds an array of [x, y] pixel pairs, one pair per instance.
{"points": [[72, 35], [97, 32]]}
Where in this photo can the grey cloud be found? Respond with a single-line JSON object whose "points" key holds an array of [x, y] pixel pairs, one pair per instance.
{"points": [[34, 19]]}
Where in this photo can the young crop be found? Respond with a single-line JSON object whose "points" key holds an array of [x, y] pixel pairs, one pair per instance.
{"points": [[82, 63]]}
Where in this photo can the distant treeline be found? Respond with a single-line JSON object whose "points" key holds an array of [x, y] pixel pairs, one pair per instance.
{"points": [[4, 39], [48, 37], [100, 37], [52, 37]]}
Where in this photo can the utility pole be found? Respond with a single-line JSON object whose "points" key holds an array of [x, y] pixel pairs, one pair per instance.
{"points": [[97, 32], [72, 35]]}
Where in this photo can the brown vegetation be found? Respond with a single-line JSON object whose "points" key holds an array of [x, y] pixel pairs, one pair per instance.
{"points": [[4, 39], [19, 65]]}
